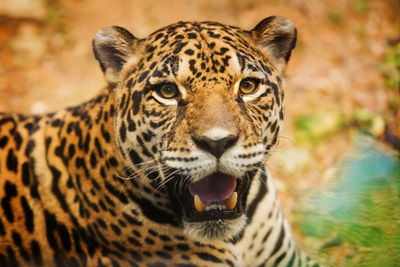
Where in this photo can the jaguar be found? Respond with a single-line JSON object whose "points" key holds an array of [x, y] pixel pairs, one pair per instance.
{"points": [[165, 166]]}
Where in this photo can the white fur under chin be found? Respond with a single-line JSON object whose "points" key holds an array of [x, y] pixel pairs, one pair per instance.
{"points": [[215, 230]]}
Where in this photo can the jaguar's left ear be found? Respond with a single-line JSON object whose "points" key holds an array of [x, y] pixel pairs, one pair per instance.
{"points": [[276, 37], [114, 47]]}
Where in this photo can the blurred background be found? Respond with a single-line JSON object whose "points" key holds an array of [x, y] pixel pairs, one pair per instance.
{"points": [[337, 165]]}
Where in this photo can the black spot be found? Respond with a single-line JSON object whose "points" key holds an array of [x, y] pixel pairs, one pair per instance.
{"points": [[73, 261], [131, 123], [179, 237], [78, 248], [192, 62], [10, 192], [116, 193], [12, 161], [279, 242], [149, 241], [113, 161], [280, 258], [267, 235], [3, 141], [183, 247], [118, 245], [64, 236], [134, 241], [47, 143], [26, 175], [122, 223], [116, 229], [165, 238], [179, 47], [168, 248], [230, 263], [11, 257], [276, 93], [102, 223], [36, 253], [154, 213], [87, 143], [189, 52], [122, 132], [136, 99], [29, 147], [131, 219], [55, 122], [135, 158], [29, 222], [18, 140], [147, 136], [56, 190], [281, 114], [158, 36], [51, 227], [93, 160], [105, 134], [143, 76], [2, 229], [98, 147], [208, 257], [273, 126], [114, 263], [152, 232], [163, 255], [18, 242], [192, 35], [147, 253]]}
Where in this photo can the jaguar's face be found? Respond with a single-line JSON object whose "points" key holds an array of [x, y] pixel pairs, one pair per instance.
{"points": [[202, 105]]}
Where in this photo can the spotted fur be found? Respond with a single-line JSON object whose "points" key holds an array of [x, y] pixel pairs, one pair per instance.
{"points": [[99, 184]]}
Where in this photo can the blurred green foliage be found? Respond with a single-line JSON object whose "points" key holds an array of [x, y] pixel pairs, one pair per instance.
{"points": [[390, 68], [314, 128], [361, 6], [361, 210], [335, 17]]}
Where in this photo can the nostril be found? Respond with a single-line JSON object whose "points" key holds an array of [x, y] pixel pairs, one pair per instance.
{"points": [[215, 147]]}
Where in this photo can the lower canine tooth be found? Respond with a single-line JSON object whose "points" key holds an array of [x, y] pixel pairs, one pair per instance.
{"points": [[198, 203], [231, 202]]}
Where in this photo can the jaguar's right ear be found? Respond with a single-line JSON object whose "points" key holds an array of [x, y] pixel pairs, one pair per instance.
{"points": [[114, 47]]}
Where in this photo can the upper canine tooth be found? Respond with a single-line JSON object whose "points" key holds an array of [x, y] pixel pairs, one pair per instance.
{"points": [[231, 202], [198, 203]]}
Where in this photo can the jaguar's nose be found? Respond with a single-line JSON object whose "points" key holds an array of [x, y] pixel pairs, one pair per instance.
{"points": [[215, 147]]}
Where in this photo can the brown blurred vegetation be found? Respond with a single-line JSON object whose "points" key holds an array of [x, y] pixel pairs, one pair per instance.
{"points": [[343, 77]]}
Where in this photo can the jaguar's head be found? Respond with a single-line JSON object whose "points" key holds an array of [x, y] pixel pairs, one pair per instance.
{"points": [[200, 105]]}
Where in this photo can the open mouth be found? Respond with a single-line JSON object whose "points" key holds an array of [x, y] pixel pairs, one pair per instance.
{"points": [[217, 196]]}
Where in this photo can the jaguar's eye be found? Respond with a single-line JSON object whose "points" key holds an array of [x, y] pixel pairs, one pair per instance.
{"points": [[168, 90], [248, 86]]}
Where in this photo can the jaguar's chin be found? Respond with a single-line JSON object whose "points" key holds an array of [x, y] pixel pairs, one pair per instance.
{"points": [[213, 207], [222, 229]]}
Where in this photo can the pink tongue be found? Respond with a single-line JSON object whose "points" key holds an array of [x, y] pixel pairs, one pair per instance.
{"points": [[216, 187]]}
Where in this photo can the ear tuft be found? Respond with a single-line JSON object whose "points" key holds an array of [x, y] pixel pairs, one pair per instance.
{"points": [[113, 47], [276, 37]]}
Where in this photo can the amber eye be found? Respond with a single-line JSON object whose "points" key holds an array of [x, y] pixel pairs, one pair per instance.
{"points": [[168, 90], [248, 86]]}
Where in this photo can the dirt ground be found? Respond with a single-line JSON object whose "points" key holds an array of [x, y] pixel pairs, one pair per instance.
{"points": [[343, 77]]}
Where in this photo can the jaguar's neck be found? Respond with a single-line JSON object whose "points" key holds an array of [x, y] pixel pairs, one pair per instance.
{"points": [[83, 158]]}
